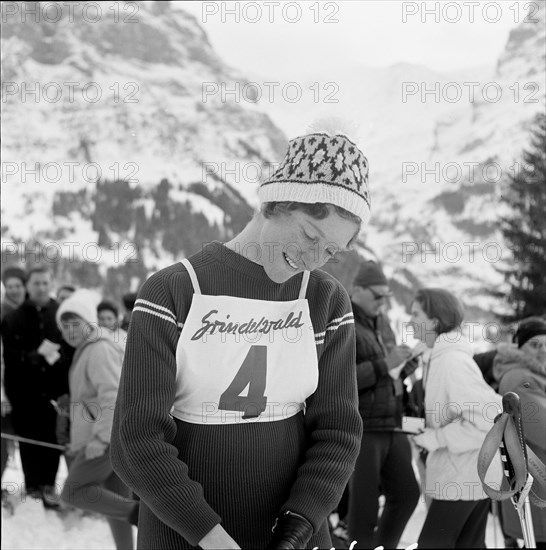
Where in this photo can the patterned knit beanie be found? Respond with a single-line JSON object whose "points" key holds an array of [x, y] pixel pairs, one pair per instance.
{"points": [[321, 168]]}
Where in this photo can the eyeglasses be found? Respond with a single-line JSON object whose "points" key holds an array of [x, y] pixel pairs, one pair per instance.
{"points": [[378, 296]]}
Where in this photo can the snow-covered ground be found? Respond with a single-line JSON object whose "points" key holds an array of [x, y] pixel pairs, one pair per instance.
{"points": [[32, 527]]}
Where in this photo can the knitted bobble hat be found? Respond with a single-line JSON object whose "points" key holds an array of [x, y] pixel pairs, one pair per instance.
{"points": [[321, 168], [82, 303]]}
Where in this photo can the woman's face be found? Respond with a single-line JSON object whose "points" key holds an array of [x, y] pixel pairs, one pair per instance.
{"points": [[108, 319], [422, 325], [75, 331], [536, 348], [15, 290], [293, 242]]}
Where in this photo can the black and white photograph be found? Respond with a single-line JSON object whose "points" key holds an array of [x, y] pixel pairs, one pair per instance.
{"points": [[273, 274]]}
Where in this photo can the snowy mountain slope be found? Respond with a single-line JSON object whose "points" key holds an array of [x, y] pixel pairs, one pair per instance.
{"points": [[149, 123], [441, 147], [90, 106]]}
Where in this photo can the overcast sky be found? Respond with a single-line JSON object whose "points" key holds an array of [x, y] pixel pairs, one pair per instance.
{"points": [[449, 36]]}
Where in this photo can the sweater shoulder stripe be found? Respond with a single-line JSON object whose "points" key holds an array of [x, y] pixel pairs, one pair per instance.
{"points": [[348, 317], [320, 336], [160, 315], [346, 322], [151, 304]]}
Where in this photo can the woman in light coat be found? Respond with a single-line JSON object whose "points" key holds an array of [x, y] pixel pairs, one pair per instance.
{"points": [[94, 378], [459, 408]]}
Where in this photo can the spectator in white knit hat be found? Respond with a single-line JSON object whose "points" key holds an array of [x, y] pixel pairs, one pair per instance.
{"points": [[94, 378]]}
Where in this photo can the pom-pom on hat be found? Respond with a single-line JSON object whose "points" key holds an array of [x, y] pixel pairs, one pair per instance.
{"points": [[321, 168], [82, 303]]}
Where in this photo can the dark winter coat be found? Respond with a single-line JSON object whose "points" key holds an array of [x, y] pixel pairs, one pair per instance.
{"points": [[380, 408], [7, 307], [30, 381], [518, 372]]}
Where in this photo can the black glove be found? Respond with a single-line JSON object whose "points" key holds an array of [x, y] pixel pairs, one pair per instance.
{"points": [[290, 531]]}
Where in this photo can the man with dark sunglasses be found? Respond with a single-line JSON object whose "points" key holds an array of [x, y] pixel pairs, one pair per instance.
{"points": [[384, 465]]}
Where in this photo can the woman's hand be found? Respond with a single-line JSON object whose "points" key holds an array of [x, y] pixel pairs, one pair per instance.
{"points": [[398, 356], [95, 448], [218, 537], [427, 440]]}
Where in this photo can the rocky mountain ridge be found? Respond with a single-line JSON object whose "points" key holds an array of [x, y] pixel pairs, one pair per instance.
{"points": [[159, 167]]}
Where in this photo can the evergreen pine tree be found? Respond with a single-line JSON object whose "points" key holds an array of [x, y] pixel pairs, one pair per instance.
{"points": [[524, 229]]}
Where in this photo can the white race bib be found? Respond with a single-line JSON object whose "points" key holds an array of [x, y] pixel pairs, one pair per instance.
{"points": [[243, 360]]}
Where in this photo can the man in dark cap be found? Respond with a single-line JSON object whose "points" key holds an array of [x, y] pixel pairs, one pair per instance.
{"points": [[384, 465]]}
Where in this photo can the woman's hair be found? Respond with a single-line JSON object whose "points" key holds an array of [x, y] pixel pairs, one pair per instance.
{"points": [[70, 316], [129, 300], [14, 273], [105, 305], [70, 288], [317, 210], [37, 269], [441, 305]]}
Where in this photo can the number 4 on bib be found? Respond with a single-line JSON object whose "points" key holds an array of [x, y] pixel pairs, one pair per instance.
{"points": [[253, 374]]}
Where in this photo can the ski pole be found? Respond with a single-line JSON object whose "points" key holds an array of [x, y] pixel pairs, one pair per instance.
{"points": [[525, 472], [520, 500], [496, 521], [33, 441]]}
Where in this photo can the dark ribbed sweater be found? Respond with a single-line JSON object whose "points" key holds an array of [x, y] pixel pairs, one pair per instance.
{"points": [[191, 477]]}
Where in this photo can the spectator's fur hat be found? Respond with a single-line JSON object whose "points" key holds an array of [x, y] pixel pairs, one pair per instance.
{"points": [[532, 326]]}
